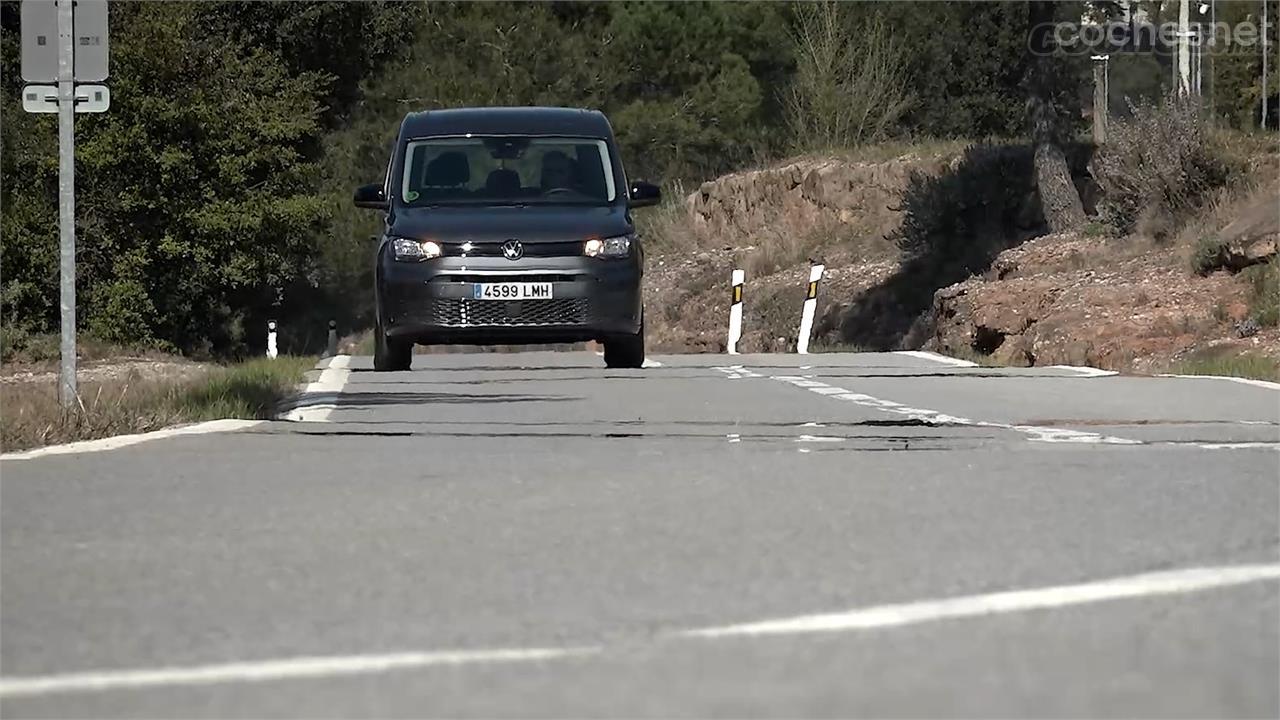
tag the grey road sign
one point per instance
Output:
(40, 40)
(91, 40)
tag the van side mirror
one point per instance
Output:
(371, 196)
(644, 194)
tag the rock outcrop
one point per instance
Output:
(807, 194)
(1039, 305)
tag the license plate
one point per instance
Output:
(511, 291)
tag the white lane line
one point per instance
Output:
(944, 359)
(319, 398)
(1040, 434)
(737, 372)
(884, 616)
(1085, 370)
(119, 441)
(1244, 381)
(266, 670)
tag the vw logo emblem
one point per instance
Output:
(512, 250)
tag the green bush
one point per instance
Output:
(1206, 256)
(1264, 293)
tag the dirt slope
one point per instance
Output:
(1127, 304)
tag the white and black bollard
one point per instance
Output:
(271, 338)
(810, 307)
(735, 311)
(331, 348)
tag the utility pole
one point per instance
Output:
(67, 200)
(1184, 49)
(1100, 98)
(1213, 62)
(1264, 64)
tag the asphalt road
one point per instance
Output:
(533, 535)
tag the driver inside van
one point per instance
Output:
(558, 172)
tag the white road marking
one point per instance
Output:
(944, 359)
(884, 616)
(119, 441)
(266, 670)
(1041, 434)
(1085, 370)
(319, 398)
(1244, 381)
(737, 372)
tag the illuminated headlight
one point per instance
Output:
(614, 247)
(407, 250)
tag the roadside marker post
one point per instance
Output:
(735, 311)
(271, 339)
(80, 55)
(810, 306)
(331, 347)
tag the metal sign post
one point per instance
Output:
(67, 200)
(80, 28)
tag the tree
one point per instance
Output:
(1059, 198)
(850, 87)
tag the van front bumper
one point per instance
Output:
(433, 302)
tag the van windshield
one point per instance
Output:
(507, 170)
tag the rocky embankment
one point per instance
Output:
(1067, 299)
(1129, 304)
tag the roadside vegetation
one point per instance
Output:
(31, 416)
(191, 241)
(1243, 365)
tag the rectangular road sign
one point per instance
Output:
(91, 40)
(39, 19)
(44, 98)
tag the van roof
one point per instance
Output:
(507, 121)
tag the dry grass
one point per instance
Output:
(1245, 365)
(30, 414)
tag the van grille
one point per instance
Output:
(450, 312)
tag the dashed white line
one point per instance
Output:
(281, 669)
(884, 616)
(1171, 582)
(1041, 434)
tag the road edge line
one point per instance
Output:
(1244, 381)
(319, 398)
(118, 441)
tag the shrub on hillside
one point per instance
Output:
(1164, 160)
(850, 86)
(1264, 293)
